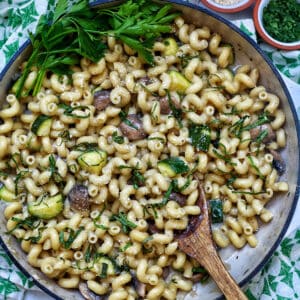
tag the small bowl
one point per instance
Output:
(258, 22)
(228, 8)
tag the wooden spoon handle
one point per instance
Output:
(226, 283)
(208, 257)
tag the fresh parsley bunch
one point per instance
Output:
(78, 30)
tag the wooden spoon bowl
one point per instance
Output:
(198, 243)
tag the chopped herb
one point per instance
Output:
(123, 117)
(154, 117)
(156, 138)
(117, 138)
(281, 19)
(72, 235)
(216, 210)
(262, 119)
(65, 136)
(30, 222)
(35, 239)
(95, 220)
(176, 112)
(200, 136)
(19, 176)
(125, 247)
(148, 239)
(104, 267)
(147, 208)
(147, 250)
(233, 111)
(122, 219)
(54, 171)
(147, 90)
(137, 178)
(88, 253)
(185, 59)
(261, 176)
(85, 147)
(71, 111)
(230, 181)
(100, 226)
(224, 155)
(238, 127)
(248, 192)
(172, 187)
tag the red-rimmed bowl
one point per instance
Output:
(228, 8)
(259, 25)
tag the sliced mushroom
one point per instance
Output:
(166, 272)
(102, 99)
(165, 106)
(179, 198)
(133, 128)
(196, 277)
(87, 293)
(278, 162)
(145, 80)
(79, 199)
(139, 287)
(254, 132)
(152, 228)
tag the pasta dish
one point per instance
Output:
(98, 166)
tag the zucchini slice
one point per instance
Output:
(47, 208)
(171, 47)
(172, 166)
(92, 161)
(5, 194)
(178, 82)
(42, 125)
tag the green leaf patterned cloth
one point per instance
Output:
(280, 278)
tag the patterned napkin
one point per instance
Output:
(280, 278)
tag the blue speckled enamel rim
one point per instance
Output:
(290, 101)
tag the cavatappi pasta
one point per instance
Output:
(99, 166)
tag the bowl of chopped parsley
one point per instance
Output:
(278, 22)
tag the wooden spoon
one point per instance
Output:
(198, 243)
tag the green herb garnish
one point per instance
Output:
(53, 170)
(254, 166)
(78, 30)
(281, 19)
(136, 176)
(85, 147)
(176, 112)
(123, 117)
(117, 138)
(71, 111)
(30, 222)
(19, 176)
(224, 155)
(125, 247)
(122, 219)
(104, 267)
(262, 119)
(72, 235)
